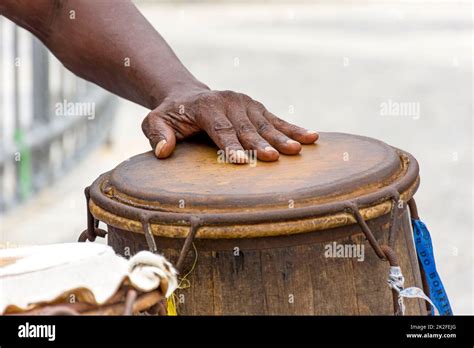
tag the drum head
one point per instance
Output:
(340, 167)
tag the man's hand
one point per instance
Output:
(105, 34)
(233, 120)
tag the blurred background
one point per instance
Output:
(397, 71)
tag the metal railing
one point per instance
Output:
(49, 117)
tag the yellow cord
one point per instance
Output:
(171, 305)
(184, 283)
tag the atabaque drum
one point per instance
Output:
(316, 233)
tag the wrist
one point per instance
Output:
(176, 89)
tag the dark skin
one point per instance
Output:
(111, 44)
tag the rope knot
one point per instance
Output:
(396, 280)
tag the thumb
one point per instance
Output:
(160, 134)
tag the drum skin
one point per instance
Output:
(263, 232)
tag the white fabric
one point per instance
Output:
(397, 281)
(146, 270)
(43, 273)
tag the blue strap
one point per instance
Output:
(424, 249)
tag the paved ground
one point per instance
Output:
(328, 67)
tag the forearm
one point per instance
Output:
(107, 42)
(111, 44)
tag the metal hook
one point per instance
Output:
(150, 240)
(195, 223)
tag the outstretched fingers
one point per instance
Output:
(235, 122)
(222, 132)
(265, 128)
(248, 135)
(297, 133)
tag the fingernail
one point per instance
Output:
(312, 132)
(291, 141)
(159, 146)
(270, 149)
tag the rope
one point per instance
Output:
(184, 283)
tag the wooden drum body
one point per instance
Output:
(305, 235)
